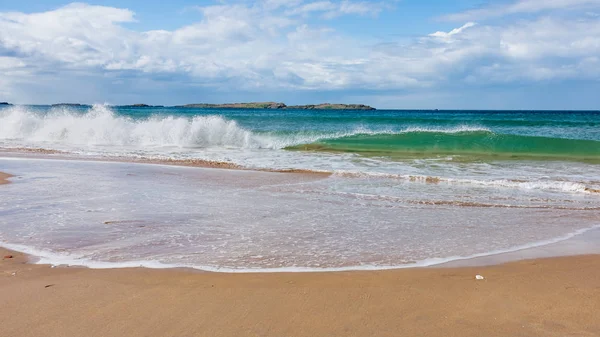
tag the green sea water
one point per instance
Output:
(465, 145)
(394, 134)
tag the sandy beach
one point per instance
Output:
(542, 297)
(547, 297)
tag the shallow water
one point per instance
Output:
(119, 214)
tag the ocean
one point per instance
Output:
(372, 189)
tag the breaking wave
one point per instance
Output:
(464, 141)
(101, 126)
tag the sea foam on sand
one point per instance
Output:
(108, 215)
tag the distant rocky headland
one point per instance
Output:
(278, 105)
(251, 105)
(140, 105)
(329, 106)
(69, 105)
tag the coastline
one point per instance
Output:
(579, 242)
(245, 105)
(554, 296)
(542, 297)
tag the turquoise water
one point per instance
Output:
(396, 134)
(545, 149)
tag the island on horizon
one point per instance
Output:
(249, 105)
(279, 105)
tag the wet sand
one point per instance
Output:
(4, 178)
(545, 297)
(60, 155)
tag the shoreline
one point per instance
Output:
(556, 296)
(200, 163)
(31, 261)
(580, 243)
(554, 247)
(47, 154)
(541, 297)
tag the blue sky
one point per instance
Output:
(464, 54)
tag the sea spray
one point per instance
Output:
(101, 126)
(307, 140)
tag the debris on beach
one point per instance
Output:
(8, 256)
(479, 277)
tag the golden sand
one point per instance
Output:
(547, 297)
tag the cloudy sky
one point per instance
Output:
(465, 54)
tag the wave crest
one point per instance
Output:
(461, 141)
(101, 126)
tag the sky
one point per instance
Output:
(405, 54)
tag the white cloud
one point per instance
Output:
(318, 6)
(548, 38)
(275, 4)
(255, 46)
(330, 9)
(264, 47)
(10, 63)
(540, 50)
(522, 6)
(77, 34)
(360, 8)
(444, 35)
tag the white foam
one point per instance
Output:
(560, 186)
(100, 126)
(46, 257)
(458, 129)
